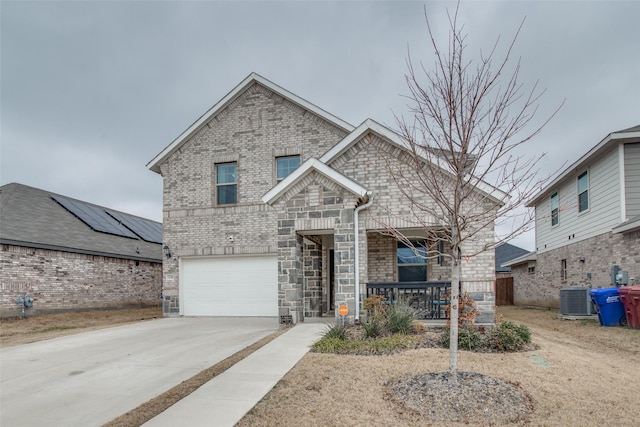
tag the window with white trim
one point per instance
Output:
(227, 183)
(412, 261)
(554, 209)
(583, 191)
(286, 165)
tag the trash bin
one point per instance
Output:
(610, 309)
(630, 298)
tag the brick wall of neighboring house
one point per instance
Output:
(598, 254)
(252, 131)
(62, 281)
(524, 285)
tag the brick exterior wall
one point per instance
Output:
(599, 254)
(371, 162)
(253, 130)
(65, 281)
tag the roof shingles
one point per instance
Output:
(30, 217)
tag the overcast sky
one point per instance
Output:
(91, 91)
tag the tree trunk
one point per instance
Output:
(453, 334)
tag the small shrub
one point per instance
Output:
(372, 328)
(418, 327)
(390, 344)
(468, 338)
(331, 345)
(522, 330)
(376, 306)
(467, 310)
(504, 339)
(399, 318)
(335, 332)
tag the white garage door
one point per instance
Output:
(230, 286)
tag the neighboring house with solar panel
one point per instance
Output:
(273, 207)
(67, 254)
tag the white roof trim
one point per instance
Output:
(306, 168)
(370, 125)
(531, 256)
(253, 77)
(609, 140)
(630, 225)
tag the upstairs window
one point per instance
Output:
(583, 191)
(554, 209)
(286, 165)
(227, 183)
(412, 262)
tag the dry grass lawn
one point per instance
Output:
(582, 374)
(16, 331)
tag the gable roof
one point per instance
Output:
(625, 135)
(530, 256)
(305, 169)
(371, 126)
(154, 164)
(505, 252)
(36, 218)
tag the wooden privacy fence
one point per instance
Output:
(504, 291)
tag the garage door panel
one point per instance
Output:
(230, 286)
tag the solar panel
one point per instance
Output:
(95, 217)
(148, 230)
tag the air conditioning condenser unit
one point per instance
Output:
(575, 301)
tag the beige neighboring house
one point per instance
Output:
(273, 207)
(66, 254)
(587, 224)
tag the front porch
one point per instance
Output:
(430, 300)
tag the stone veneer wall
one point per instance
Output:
(65, 281)
(315, 204)
(599, 254)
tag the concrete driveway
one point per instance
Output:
(89, 379)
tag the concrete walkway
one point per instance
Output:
(224, 400)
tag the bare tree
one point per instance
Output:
(463, 166)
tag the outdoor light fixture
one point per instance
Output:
(165, 248)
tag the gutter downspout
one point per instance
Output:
(357, 251)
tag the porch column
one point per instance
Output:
(290, 269)
(344, 255)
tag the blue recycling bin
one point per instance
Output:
(610, 308)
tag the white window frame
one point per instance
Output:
(555, 209)
(586, 190)
(418, 244)
(226, 184)
(278, 179)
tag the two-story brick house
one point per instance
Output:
(587, 220)
(272, 206)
